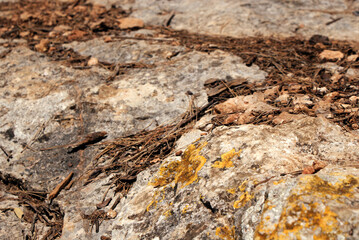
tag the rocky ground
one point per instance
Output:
(144, 119)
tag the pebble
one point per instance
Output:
(92, 61)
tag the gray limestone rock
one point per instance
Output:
(242, 182)
(46, 106)
(127, 51)
(250, 18)
(258, 195)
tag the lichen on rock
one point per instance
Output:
(226, 159)
(183, 172)
(311, 209)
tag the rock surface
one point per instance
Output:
(261, 196)
(220, 182)
(249, 18)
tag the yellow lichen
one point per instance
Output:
(322, 188)
(243, 186)
(310, 218)
(183, 172)
(243, 199)
(153, 202)
(225, 233)
(226, 159)
(278, 182)
(232, 191)
(184, 210)
(298, 216)
(168, 213)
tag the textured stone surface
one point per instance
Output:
(250, 185)
(46, 101)
(258, 197)
(250, 18)
(126, 51)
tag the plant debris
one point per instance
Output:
(60, 186)
(299, 83)
(36, 207)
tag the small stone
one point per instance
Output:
(43, 45)
(353, 99)
(283, 99)
(107, 39)
(331, 55)
(111, 214)
(128, 23)
(92, 61)
(352, 72)
(24, 34)
(179, 153)
(352, 58)
(302, 99)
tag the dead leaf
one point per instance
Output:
(331, 55)
(18, 212)
(128, 23)
(318, 165)
(76, 34)
(25, 16)
(308, 170)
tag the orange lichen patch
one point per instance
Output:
(153, 202)
(226, 233)
(185, 209)
(183, 172)
(243, 186)
(243, 199)
(168, 213)
(316, 186)
(278, 182)
(232, 191)
(226, 159)
(310, 216)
